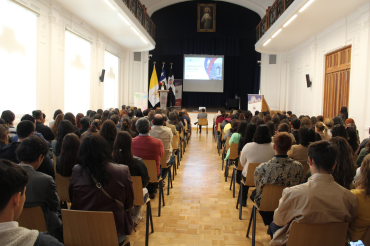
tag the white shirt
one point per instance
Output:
(164, 134)
(255, 153)
(8, 225)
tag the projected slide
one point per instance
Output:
(203, 68)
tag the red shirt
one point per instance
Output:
(148, 148)
(219, 120)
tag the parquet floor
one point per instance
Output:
(200, 209)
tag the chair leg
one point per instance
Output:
(178, 159)
(168, 183)
(231, 182)
(163, 197)
(226, 171)
(173, 170)
(171, 182)
(159, 200)
(237, 202)
(147, 224)
(254, 227)
(241, 201)
(151, 216)
(250, 222)
(207, 129)
(234, 176)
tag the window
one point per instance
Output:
(111, 80)
(76, 74)
(18, 60)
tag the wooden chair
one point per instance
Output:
(62, 189)
(249, 181)
(233, 178)
(164, 165)
(224, 151)
(139, 201)
(151, 165)
(175, 147)
(269, 202)
(330, 234)
(33, 219)
(233, 157)
(366, 238)
(55, 163)
(202, 122)
(87, 228)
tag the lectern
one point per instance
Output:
(163, 98)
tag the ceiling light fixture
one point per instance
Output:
(276, 33)
(144, 40)
(135, 31)
(110, 5)
(290, 20)
(123, 18)
(305, 6)
(268, 41)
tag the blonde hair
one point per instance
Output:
(329, 123)
(321, 127)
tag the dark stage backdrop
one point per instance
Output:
(235, 36)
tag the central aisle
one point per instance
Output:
(200, 209)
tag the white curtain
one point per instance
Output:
(18, 58)
(111, 64)
(76, 74)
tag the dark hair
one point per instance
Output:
(339, 131)
(344, 113)
(92, 113)
(172, 117)
(55, 126)
(130, 113)
(2, 122)
(97, 117)
(256, 112)
(78, 120)
(95, 125)
(13, 179)
(28, 117)
(64, 128)
(88, 113)
(259, 121)
(158, 120)
(305, 121)
(250, 130)
(271, 127)
(105, 116)
(338, 120)
(58, 111)
(68, 155)
(133, 126)
(25, 128)
(93, 155)
(266, 118)
(289, 113)
(324, 154)
(262, 135)
(139, 114)
(313, 121)
(69, 116)
(306, 135)
(37, 114)
(203, 110)
(99, 111)
(122, 153)
(242, 126)
(283, 127)
(344, 171)
(115, 119)
(283, 142)
(108, 130)
(85, 122)
(234, 125)
(145, 112)
(296, 123)
(31, 148)
(352, 138)
(320, 118)
(8, 116)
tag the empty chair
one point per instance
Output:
(331, 234)
(89, 228)
(33, 219)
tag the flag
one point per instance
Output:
(171, 88)
(153, 88)
(163, 78)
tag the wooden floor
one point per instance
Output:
(200, 209)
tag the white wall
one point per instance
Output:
(52, 22)
(284, 84)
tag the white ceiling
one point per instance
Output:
(314, 19)
(258, 6)
(99, 15)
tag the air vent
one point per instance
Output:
(272, 59)
(137, 56)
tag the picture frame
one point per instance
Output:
(206, 17)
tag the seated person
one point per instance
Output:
(280, 170)
(13, 180)
(299, 152)
(41, 188)
(122, 154)
(96, 169)
(40, 127)
(69, 155)
(201, 115)
(358, 226)
(296, 124)
(320, 200)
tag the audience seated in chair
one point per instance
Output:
(69, 155)
(174, 120)
(122, 154)
(280, 170)
(97, 179)
(13, 181)
(94, 128)
(320, 200)
(9, 117)
(237, 129)
(54, 127)
(126, 126)
(85, 125)
(64, 128)
(299, 152)
(72, 119)
(41, 188)
(56, 113)
(109, 132)
(203, 114)
(4, 136)
(148, 148)
(40, 127)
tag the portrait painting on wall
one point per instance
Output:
(207, 17)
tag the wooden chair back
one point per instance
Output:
(138, 190)
(164, 160)
(249, 180)
(234, 151)
(87, 228)
(219, 127)
(186, 126)
(55, 162)
(62, 187)
(331, 234)
(240, 167)
(222, 135)
(151, 165)
(175, 142)
(227, 145)
(182, 134)
(366, 238)
(33, 219)
(270, 197)
(202, 122)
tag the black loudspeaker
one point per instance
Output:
(309, 83)
(101, 78)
